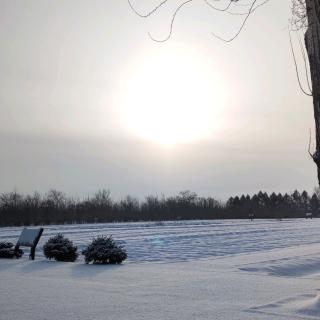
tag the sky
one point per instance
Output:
(88, 101)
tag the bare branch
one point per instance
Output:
(216, 8)
(253, 6)
(241, 27)
(148, 14)
(296, 67)
(309, 147)
(171, 23)
(252, 11)
(304, 60)
(299, 18)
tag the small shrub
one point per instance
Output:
(7, 251)
(104, 250)
(60, 249)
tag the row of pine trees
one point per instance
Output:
(56, 208)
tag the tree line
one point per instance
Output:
(56, 208)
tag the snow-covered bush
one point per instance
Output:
(60, 249)
(104, 250)
(7, 250)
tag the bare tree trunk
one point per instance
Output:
(312, 42)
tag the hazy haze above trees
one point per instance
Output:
(63, 65)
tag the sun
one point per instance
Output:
(173, 98)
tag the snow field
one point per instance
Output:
(226, 270)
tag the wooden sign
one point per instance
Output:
(29, 238)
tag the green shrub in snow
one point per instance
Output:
(60, 249)
(7, 250)
(104, 250)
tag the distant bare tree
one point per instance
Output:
(102, 198)
(305, 18)
(56, 199)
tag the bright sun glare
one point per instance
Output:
(173, 98)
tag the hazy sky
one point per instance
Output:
(88, 101)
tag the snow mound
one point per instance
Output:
(289, 267)
(311, 307)
(306, 306)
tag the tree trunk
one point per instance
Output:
(312, 42)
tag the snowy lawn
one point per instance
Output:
(177, 270)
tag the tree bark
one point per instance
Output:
(312, 42)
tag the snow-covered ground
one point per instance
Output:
(227, 270)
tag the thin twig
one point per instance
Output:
(309, 147)
(296, 67)
(171, 23)
(304, 60)
(148, 14)
(216, 8)
(252, 11)
(241, 27)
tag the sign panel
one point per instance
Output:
(28, 236)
